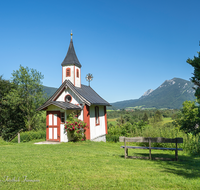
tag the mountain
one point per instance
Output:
(49, 90)
(170, 94)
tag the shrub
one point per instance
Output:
(75, 127)
(30, 135)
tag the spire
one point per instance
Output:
(71, 58)
(71, 34)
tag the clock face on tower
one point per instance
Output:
(68, 98)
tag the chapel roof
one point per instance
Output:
(86, 94)
(71, 58)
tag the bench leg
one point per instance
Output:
(149, 148)
(176, 155)
(126, 152)
(176, 152)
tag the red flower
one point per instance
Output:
(82, 139)
(73, 128)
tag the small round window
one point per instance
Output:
(68, 98)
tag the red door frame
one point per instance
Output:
(53, 126)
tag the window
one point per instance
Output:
(62, 117)
(97, 115)
(68, 98)
(77, 73)
(68, 72)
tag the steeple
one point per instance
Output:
(71, 58)
(71, 67)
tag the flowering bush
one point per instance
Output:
(75, 127)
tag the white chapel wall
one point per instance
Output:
(97, 132)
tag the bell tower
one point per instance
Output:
(71, 67)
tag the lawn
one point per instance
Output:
(92, 165)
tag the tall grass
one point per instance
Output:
(30, 135)
(191, 143)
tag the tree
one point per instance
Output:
(5, 87)
(157, 116)
(188, 119)
(195, 62)
(145, 118)
(30, 93)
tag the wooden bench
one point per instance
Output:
(151, 140)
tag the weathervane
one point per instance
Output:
(89, 78)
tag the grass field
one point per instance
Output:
(92, 165)
(113, 121)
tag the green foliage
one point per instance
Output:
(145, 118)
(195, 62)
(157, 116)
(188, 119)
(29, 92)
(11, 117)
(75, 127)
(30, 135)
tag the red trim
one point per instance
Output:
(80, 76)
(69, 70)
(97, 107)
(59, 94)
(74, 75)
(53, 126)
(65, 97)
(86, 118)
(47, 122)
(105, 116)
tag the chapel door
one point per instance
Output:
(53, 126)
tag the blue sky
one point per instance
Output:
(129, 46)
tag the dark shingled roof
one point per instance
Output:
(90, 95)
(63, 105)
(71, 58)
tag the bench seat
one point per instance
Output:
(154, 148)
(150, 140)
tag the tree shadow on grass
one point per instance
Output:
(186, 166)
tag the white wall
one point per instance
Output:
(71, 78)
(99, 130)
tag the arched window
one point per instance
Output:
(77, 73)
(97, 115)
(68, 72)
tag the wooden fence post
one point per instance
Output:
(149, 148)
(18, 137)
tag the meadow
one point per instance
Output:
(92, 165)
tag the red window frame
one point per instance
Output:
(77, 73)
(68, 95)
(97, 121)
(68, 72)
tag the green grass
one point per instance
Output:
(113, 121)
(92, 165)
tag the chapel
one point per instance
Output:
(72, 96)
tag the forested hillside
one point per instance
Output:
(171, 94)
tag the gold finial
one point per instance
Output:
(71, 34)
